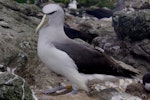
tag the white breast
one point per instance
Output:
(147, 86)
(57, 60)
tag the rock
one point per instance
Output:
(29, 10)
(135, 54)
(138, 4)
(13, 87)
(141, 49)
(90, 26)
(137, 89)
(17, 37)
(132, 25)
(111, 46)
(111, 94)
(119, 5)
(146, 46)
(135, 4)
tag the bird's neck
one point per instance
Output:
(57, 20)
(56, 23)
(52, 33)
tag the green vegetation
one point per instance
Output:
(21, 1)
(25, 1)
(62, 1)
(106, 3)
(85, 3)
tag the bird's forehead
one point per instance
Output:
(50, 8)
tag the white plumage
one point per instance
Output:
(147, 86)
(72, 4)
(57, 60)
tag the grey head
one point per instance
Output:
(53, 16)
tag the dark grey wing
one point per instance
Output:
(91, 61)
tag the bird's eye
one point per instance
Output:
(51, 13)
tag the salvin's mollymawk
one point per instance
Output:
(69, 58)
(72, 4)
(146, 82)
(73, 33)
(100, 13)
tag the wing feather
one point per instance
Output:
(91, 61)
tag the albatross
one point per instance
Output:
(146, 82)
(77, 62)
(72, 4)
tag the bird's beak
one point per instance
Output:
(41, 24)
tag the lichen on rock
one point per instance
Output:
(13, 87)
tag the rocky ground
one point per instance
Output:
(18, 51)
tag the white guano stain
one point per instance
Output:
(23, 91)
(33, 95)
